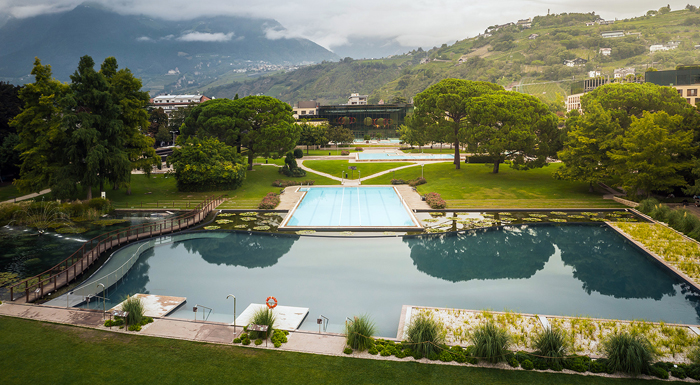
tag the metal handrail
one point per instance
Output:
(197, 306)
(91, 249)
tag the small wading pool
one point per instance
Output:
(396, 156)
(350, 207)
(549, 269)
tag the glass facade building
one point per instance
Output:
(679, 77)
(365, 119)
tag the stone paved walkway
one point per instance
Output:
(28, 196)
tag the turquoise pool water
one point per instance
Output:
(543, 269)
(395, 156)
(350, 207)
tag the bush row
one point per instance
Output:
(678, 219)
(411, 182)
(425, 335)
(270, 201)
(435, 201)
(286, 183)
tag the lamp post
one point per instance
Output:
(173, 132)
(421, 169)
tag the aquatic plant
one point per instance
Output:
(425, 334)
(263, 316)
(490, 342)
(134, 306)
(359, 333)
(212, 227)
(551, 344)
(628, 353)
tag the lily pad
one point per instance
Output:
(212, 227)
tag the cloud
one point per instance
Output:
(424, 23)
(144, 38)
(206, 37)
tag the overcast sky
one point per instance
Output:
(411, 23)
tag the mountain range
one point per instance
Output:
(157, 50)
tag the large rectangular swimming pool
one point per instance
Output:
(391, 156)
(350, 207)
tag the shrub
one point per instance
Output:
(347, 350)
(628, 353)
(245, 341)
(345, 152)
(359, 332)
(577, 363)
(647, 205)
(678, 372)
(359, 149)
(490, 342)
(522, 356)
(425, 334)
(373, 351)
(258, 342)
(279, 337)
(435, 201)
(385, 353)
(479, 159)
(296, 172)
(99, 204)
(135, 328)
(417, 182)
(263, 316)
(694, 356)
(512, 361)
(236, 340)
(551, 343)
(134, 306)
(446, 356)
(660, 212)
(658, 372)
(287, 183)
(527, 365)
(269, 202)
(298, 153)
(115, 322)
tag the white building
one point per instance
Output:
(573, 102)
(593, 74)
(170, 103)
(357, 99)
(606, 51)
(623, 72)
(306, 109)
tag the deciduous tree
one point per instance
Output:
(312, 135)
(207, 165)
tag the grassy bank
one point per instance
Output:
(160, 191)
(336, 167)
(85, 356)
(475, 186)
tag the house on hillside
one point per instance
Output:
(612, 34)
(605, 51)
(605, 22)
(622, 73)
(575, 63)
(525, 23)
(357, 99)
(533, 36)
(590, 23)
(663, 47)
(593, 74)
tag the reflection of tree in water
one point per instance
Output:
(511, 252)
(693, 296)
(242, 249)
(135, 281)
(609, 266)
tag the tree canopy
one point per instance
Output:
(445, 107)
(207, 165)
(638, 136)
(312, 135)
(511, 125)
(89, 132)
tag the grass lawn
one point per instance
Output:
(474, 186)
(336, 167)
(163, 191)
(8, 192)
(86, 356)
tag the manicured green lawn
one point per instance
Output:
(475, 186)
(8, 192)
(336, 167)
(163, 191)
(86, 356)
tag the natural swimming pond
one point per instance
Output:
(557, 269)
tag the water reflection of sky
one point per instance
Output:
(558, 270)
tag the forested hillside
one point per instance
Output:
(508, 55)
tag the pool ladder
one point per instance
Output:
(322, 321)
(195, 309)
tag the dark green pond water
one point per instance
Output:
(555, 269)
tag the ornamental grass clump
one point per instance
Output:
(134, 306)
(425, 334)
(628, 353)
(491, 343)
(551, 344)
(263, 316)
(359, 332)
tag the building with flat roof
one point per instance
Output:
(357, 99)
(685, 79)
(170, 103)
(306, 109)
(368, 118)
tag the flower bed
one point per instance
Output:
(287, 183)
(270, 201)
(435, 201)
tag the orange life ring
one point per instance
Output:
(271, 302)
